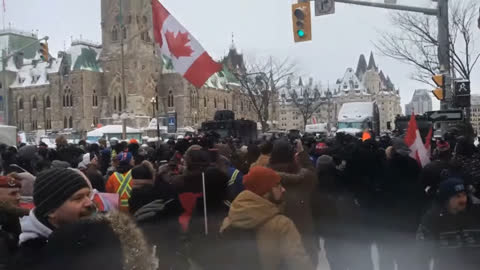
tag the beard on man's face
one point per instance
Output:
(272, 198)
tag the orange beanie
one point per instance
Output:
(261, 180)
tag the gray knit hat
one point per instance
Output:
(53, 187)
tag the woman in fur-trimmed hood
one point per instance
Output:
(104, 242)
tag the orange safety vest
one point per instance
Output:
(122, 185)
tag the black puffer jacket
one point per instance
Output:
(9, 232)
(452, 240)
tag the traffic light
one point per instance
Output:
(302, 22)
(439, 92)
(44, 55)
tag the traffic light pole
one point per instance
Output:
(427, 11)
(441, 12)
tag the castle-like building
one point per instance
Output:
(365, 84)
(88, 84)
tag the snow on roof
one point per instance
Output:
(355, 111)
(350, 82)
(84, 56)
(35, 73)
(351, 131)
(111, 129)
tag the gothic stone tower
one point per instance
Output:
(129, 21)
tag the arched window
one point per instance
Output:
(170, 99)
(65, 124)
(194, 99)
(147, 36)
(34, 103)
(215, 102)
(120, 102)
(70, 122)
(124, 32)
(114, 33)
(20, 104)
(156, 103)
(94, 99)
(225, 103)
(67, 97)
(47, 102)
(115, 103)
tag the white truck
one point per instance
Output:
(356, 117)
(320, 128)
(8, 135)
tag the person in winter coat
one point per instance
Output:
(121, 180)
(109, 241)
(89, 166)
(299, 179)
(450, 231)
(61, 196)
(9, 218)
(336, 216)
(194, 233)
(265, 152)
(156, 208)
(400, 207)
(279, 243)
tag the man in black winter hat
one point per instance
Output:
(61, 197)
(450, 231)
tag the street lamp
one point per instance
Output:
(154, 104)
(329, 100)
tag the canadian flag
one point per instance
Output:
(415, 143)
(187, 55)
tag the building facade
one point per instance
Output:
(475, 113)
(91, 84)
(421, 102)
(365, 84)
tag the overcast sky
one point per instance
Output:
(261, 28)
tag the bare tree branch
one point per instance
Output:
(415, 42)
(261, 82)
(307, 102)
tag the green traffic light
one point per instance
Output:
(301, 33)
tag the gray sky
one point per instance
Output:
(261, 28)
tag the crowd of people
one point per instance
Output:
(202, 202)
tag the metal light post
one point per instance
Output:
(122, 49)
(123, 117)
(154, 104)
(329, 99)
(441, 12)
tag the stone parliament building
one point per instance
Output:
(82, 87)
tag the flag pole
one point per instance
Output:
(4, 12)
(205, 203)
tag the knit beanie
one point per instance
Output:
(261, 180)
(53, 187)
(450, 188)
(325, 161)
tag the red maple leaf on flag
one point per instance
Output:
(177, 44)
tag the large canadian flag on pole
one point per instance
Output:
(187, 55)
(415, 143)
